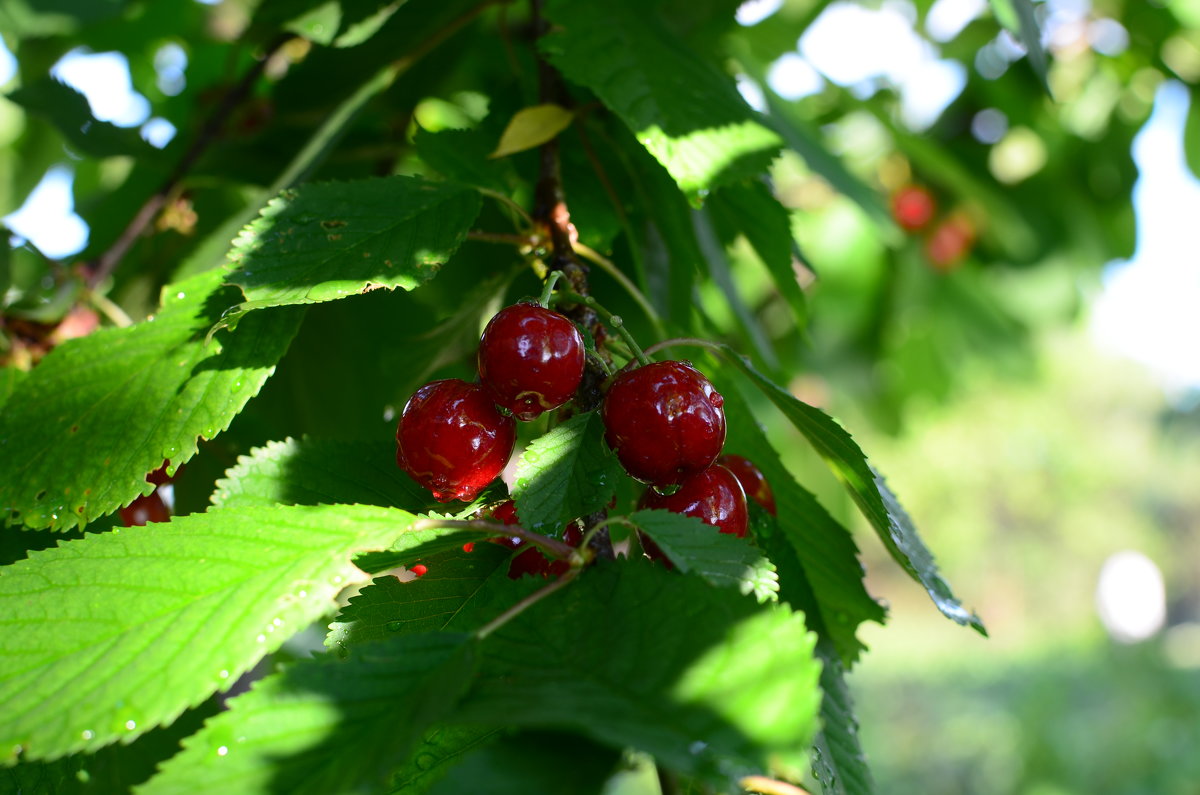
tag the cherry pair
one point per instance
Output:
(454, 437)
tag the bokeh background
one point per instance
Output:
(1024, 365)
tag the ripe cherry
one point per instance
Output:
(149, 508)
(714, 496)
(913, 207)
(664, 421)
(754, 483)
(949, 242)
(452, 440)
(530, 359)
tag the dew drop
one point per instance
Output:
(302, 593)
(236, 386)
(88, 734)
(224, 674)
(130, 725)
(181, 295)
(261, 639)
(83, 776)
(426, 761)
(337, 580)
(532, 456)
(277, 622)
(224, 749)
(395, 626)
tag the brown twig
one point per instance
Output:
(100, 268)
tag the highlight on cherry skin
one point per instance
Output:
(754, 483)
(453, 440)
(530, 359)
(664, 421)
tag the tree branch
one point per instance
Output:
(100, 268)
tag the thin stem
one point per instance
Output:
(526, 603)
(548, 290)
(693, 342)
(520, 241)
(770, 786)
(603, 523)
(507, 202)
(612, 270)
(552, 546)
(110, 310)
(102, 267)
(613, 321)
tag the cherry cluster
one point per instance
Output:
(948, 241)
(664, 421)
(454, 438)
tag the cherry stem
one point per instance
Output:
(520, 241)
(613, 321)
(587, 538)
(509, 203)
(526, 603)
(612, 270)
(694, 342)
(548, 290)
(552, 546)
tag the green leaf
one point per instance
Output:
(533, 126)
(323, 241)
(9, 378)
(68, 110)
(530, 762)
(423, 543)
(708, 682)
(824, 551)
(1019, 18)
(682, 108)
(325, 725)
(867, 488)
(750, 209)
(440, 750)
(565, 474)
(327, 135)
(161, 616)
(454, 582)
(120, 402)
(720, 559)
(1191, 133)
(462, 155)
(807, 143)
(340, 23)
(320, 471)
(838, 759)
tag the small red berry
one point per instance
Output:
(143, 510)
(530, 359)
(419, 570)
(714, 496)
(913, 207)
(664, 421)
(452, 440)
(754, 483)
(950, 242)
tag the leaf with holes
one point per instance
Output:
(120, 402)
(113, 634)
(323, 241)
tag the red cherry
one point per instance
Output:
(150, 508)
(714, 496)
(754, 483)
(913, 207)
(530, 359)
(664, 421)
(949, 242)
(452, 440)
